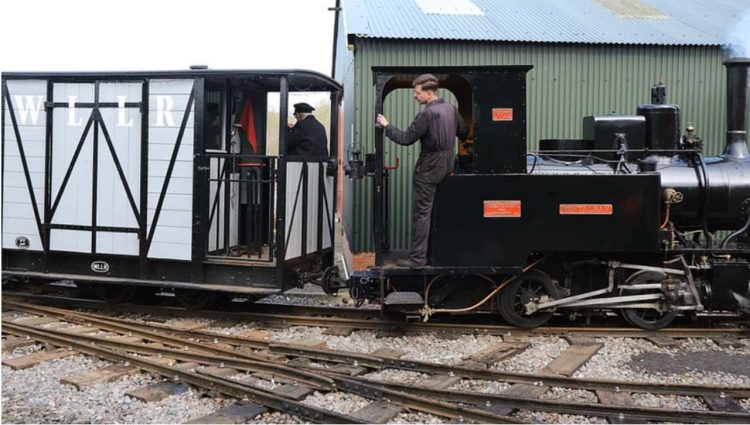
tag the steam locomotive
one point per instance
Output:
(627, 219)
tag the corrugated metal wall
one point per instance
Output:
(567, 83)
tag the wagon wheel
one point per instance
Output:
(114, 294)
(512, 300)
(194, 299)
(645, 318)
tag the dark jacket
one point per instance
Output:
(437, 127)
(307, 138)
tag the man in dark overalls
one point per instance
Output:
(308, 136)
(436, 127)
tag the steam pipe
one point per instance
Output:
(706, 196)
(731, 237)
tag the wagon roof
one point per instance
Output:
(298, 79)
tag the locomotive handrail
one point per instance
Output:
(393, 167)
(578, 155)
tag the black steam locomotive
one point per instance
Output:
(632, 218)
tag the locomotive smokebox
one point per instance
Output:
(737, 91)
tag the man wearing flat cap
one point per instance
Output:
(308, 136)
(436, 127)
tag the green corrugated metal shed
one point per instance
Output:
(568, 81)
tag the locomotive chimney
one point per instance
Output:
(737, 91)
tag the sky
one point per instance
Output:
(140, 35)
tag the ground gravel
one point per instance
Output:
(308, 300)
(571, 395)
(542, 351)
(235, 330)
(669, 402)
(312, 295)
(694, 361)
(23, 351)
(337, 401)
(396, 376)
(419, 418)
(445, 351)
(559, 418)
(276, 418)
(476, 386)
(177, 322)
(35, 395)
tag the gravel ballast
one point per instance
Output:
(35, 395)
(446, 351)
(621, 358)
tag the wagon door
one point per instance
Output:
(122, 169)
(95, 173)
(98, 176)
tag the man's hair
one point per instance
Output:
(428, 82)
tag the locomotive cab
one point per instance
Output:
(491, 100)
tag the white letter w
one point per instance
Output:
(26, 108)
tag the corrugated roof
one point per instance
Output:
(658, 22)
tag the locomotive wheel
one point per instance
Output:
(194, 299)
(115, 294)
(645, 318)
(530, 286)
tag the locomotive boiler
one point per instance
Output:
(632, 218)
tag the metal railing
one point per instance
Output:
(241, 205)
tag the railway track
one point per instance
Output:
(282, 315)
(208, 360)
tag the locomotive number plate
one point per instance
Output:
(586, 209)
(502, 114)
(500, 209)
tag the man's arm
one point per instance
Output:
(416, 130)
(293, 138)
